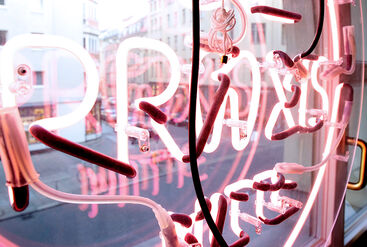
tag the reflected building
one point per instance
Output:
(57, 78)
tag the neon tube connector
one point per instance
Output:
(253, 221)
(15, 158)
(241, 124)
(141, 134)
(346, 65)
(61, 144)
(277, 14)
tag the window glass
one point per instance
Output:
(119, 52)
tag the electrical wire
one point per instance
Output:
(319, 30)
(192, 119)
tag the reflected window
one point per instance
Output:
(3, 37)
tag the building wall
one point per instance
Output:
(61, 73)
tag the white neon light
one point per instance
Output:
(334, 29)
(122, 89)
(238, 143)
(279, 19)
(49, 41)
(316, 85)
(320, 175)
(303, 97)
(235, 205)
(278, 107)
(260, 194)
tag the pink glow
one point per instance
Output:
(83, 184)
(155, 175)
(112, 183)
(136, 184)
(4, 242)
(94, 191)
(260, 194)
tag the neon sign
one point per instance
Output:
(309, 120)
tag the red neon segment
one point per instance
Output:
(238, 196)
(153, 111)
(191, 239)
(311, 57)
(261, 186)
(279, 184)
(286, 133)
(295, 97)
(276, 12)
(183, 219)
(200, 215)
(280, 218)
(81, 152)
(212, 114)
(287, 61)
(243, 241)
(289, 186)
(123, 188)
(235, 51)
(221, 217)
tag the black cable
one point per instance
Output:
(192, 119)
(318, 32)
